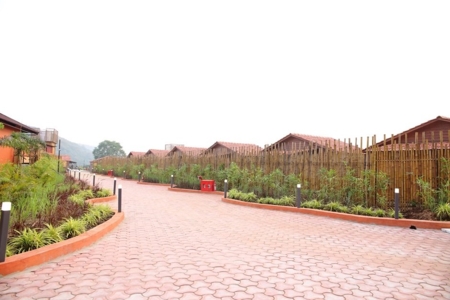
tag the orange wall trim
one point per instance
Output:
(22, 261)
(422, 224)
(101, 200)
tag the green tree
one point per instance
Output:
(108, 148)
(23, 144)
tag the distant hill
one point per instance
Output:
(81, 154)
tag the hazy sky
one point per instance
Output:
(150, 73)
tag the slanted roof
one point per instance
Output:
(315, 140)
(157, 152)
(186, 150)
(136, 154)
(444, 123)
(19, 126)
(234, 147)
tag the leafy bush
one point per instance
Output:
(380, 213)
(97, 214)
(52, 234)
(248, 197)
(443, 211)
(314, 204)
(368, 212)
(26, 240)
(358, 210)
(72, 227)
(391, 214)
(77, 199)
(102, 193)
(334, 206)
(284, 201)
(234, 194)
(266, 200)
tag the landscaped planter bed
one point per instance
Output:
(20, 262)
(408, 223)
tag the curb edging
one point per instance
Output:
(408, 223)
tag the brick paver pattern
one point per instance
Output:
(175, 245)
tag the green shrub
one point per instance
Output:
(52, 234)
(102, 193)
(358, 210)
(77, 198)
(72, 227)
(9, 250)
(86, 194)
(443, 211)
(368, 212)
(380, 213)
(283, 201)
(266, 200)
(286, 201)
(27, 240)
(391, 214)
(233, 194)
(334, 206)
(248, 197)
(97, 214)
(315, 204)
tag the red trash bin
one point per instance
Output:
(207, 185)
(110, 173)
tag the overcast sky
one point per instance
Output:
(150, 73)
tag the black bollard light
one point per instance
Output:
(79, 175)
(4, 228)
(225, 188)
(93, 180)
(114, 187)
(139, 177)
(397, 202)
(119, 190)
(171, 181)
(298, 198)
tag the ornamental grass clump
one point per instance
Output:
(443, 212)
(72, 228)
(27, 240)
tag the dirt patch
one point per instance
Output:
(418, 214)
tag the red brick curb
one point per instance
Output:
(20, 262)
(100, 200)
(424, 224)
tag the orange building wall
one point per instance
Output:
(6, 153)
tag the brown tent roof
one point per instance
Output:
(236, 147)
(13, 123)
(157, 152)
(317, 140)
(187, 150)
(136, 154)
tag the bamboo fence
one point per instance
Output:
(403, 163)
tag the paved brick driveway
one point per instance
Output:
(193, 246)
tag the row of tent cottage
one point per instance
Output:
(433, 133)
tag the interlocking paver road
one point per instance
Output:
(193, 246)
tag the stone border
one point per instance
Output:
(422, 224)
(22, 261)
